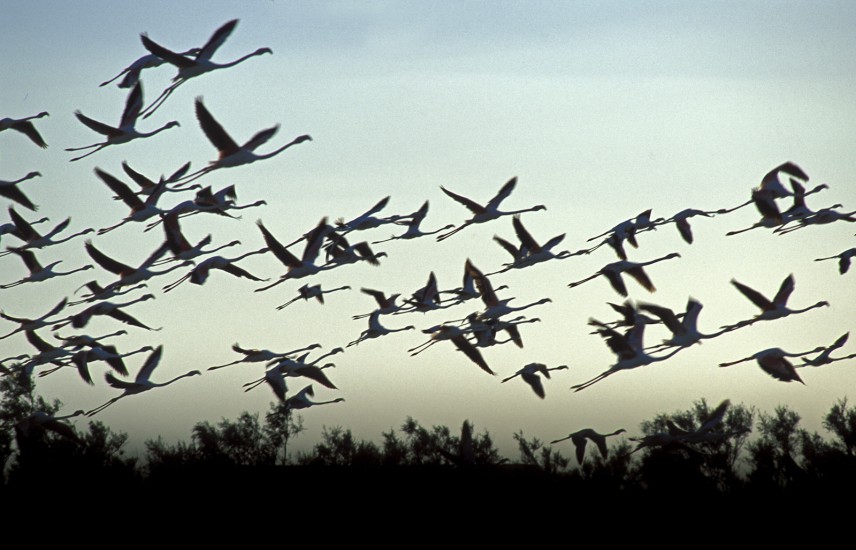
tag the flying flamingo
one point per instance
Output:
(488, 212)
(843, 259)
(9, 189)
(775, 309)
(684, 332)
(300, 401)
(140, 210)
(376, 330)
(199, 274)
(367, 220)
(129, 275)
(109, 309)
(614, 270)
(495, 308)
(38, 273)
(457, 336)
(97, 292)
(178, 245)
(26, 127)
(774, 362)
(147, 186)
(34, 239)
(33, 324)
(581, 437)
(825, 356)
(530, 372)
(303, 267)
(259, 355)
(36, 424)
(125, 132)
(629, 349)
(10, 228)
(132, 71)
(141, 383)
(306, 292)
(534, 252)
(386, 304)
(191, 67)
(413, 230)
(231, 154)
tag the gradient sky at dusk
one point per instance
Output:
(601, 110)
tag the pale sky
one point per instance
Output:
(601, 110)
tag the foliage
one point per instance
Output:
(533, 452)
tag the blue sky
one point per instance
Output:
(601, 110)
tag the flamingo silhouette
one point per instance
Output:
(141, 383)
(488, 212)
(125, 132)
(26, 127)
(198, 65)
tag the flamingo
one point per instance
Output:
(33, 324)
(9, 189)
(275, 375)
(339, 252)
(132, 71)
(141, 383)
(614, 270)
(386, 304)
(681, 221)
(413, 230)
(231, 154)
(534, 253)
(844, 259)
(581, 437)
(825, 356)
(36, 423)
(191, 67)
(457, 336)
(109, 309)
(128, 275)
(108, 354)
(97, 292)
(178, 245)
(426, 298)
(79, 341)
(485, 330)
(147, 186)
(495, 308)
(300, 401)
(140, 210)
(376, 330)
(259, 355)
(39, 273)
(488, 212)
(200, 273)
(50, 354)
(628, 228)
(629, 349)
(11, 229)
(821, 217)
(776, 309)
(684, 332)
(530, 372)
(367, 220)
(26, 127)
(125, 132)
(774, 362)
(306, 292)
(303, 267)
(34, 239)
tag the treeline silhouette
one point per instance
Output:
(751, 453)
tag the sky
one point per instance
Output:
(601, 110)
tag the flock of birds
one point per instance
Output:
(493, 321)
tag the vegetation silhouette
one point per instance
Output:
(725, 453)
